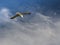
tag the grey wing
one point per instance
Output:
(14, 16)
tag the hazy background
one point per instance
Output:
(42, 27)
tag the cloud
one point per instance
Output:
(4, 12)
(40, 31)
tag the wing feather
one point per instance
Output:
(14, 16)
(26, 13)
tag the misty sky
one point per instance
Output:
(42, 27)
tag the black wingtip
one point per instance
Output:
(11, 18)
(29, 13)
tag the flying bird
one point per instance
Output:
(20, 14)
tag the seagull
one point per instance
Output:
(20, 14)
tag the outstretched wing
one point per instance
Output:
(14, 16)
